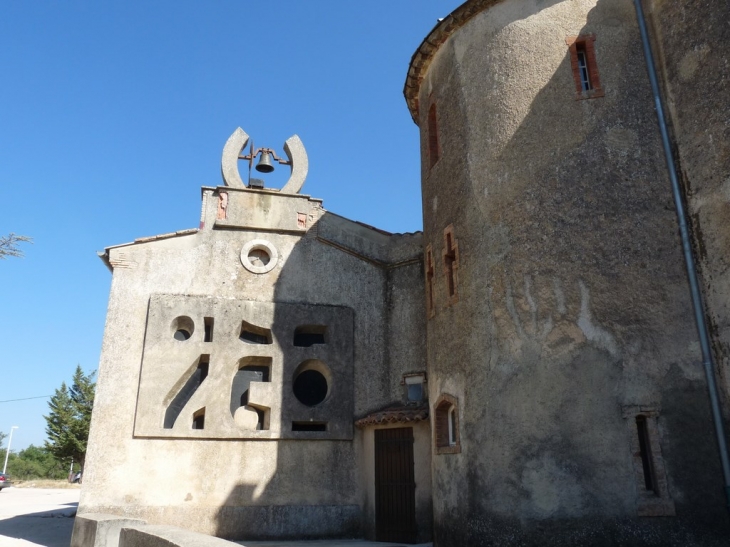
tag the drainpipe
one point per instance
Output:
(697, 305)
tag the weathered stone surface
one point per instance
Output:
(572, 297)
(297, 155)
(229, 160)
(229, 478)
(99, 530)
(168, 536)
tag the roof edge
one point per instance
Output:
(421, 59)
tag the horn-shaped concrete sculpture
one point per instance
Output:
(293, 147)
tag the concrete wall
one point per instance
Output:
(573, 313)
(692, 41)
(215, 481)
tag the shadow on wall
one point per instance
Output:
(577, 197)
(309, 488)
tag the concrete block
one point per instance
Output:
(99, 530)
(168, 536)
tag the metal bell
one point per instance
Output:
(264, 165)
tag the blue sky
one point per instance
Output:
(113, 114)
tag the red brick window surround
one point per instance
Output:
(434, 151)
(430, 272)
(585, 69)
(447, 439)
(451, 265)
(650, 476)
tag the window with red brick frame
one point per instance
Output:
(447, 439)
(585, 69)
(434, 152)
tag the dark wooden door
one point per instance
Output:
(395, 486)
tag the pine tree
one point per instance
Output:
(69, 418)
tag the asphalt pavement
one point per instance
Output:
(43, 517)
(31, 517)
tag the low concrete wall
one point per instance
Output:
(168, 536)
(100, 530)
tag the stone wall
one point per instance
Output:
(561, 309)
(269, 466)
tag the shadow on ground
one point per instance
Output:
(46, 528)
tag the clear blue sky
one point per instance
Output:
(113, 114)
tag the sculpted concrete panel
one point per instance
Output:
(216, 368)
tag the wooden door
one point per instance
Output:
(395, 486)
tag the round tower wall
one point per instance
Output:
(568, 312)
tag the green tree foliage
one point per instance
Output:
(69, 418)
(9, 245)
(35, 462)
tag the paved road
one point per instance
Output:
(41, 517)
(32, 517)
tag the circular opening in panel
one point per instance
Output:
(310, 387)
(182, 328)
(312, 382)
(258, 257)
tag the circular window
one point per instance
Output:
(182, 328)
(311, 383)
(259, 256)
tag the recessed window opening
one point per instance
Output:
(452, 426)
(182, 328)
(188, 389)
(645, 450)
(583, 64)
(306, 336)
(208, 329)
(414, 387)
(258, 257)
(254, 335)
(251, 369)
(430, 307)
(199, 419)
(309, 426)
(433, 136)
(310, 387)
(451, 262)
(446, 425)
(585, 80)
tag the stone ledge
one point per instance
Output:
(99, 529)
(168, 536)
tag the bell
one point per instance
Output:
(264, 164)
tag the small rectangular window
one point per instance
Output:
(645, 452)
(208, 329)
(309, 426)
(650, 474)
(585, 69)
(434, 150)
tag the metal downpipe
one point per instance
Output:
(697, 304)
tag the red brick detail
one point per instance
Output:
(430, 273)
(585, 42)
(451, 265)
(222, 206)
(434, 151)
(441, 411)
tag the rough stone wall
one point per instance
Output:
(693, 41)
(572, 309)
(237, 488)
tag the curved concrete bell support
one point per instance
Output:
(299, 162)
(229, 160)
